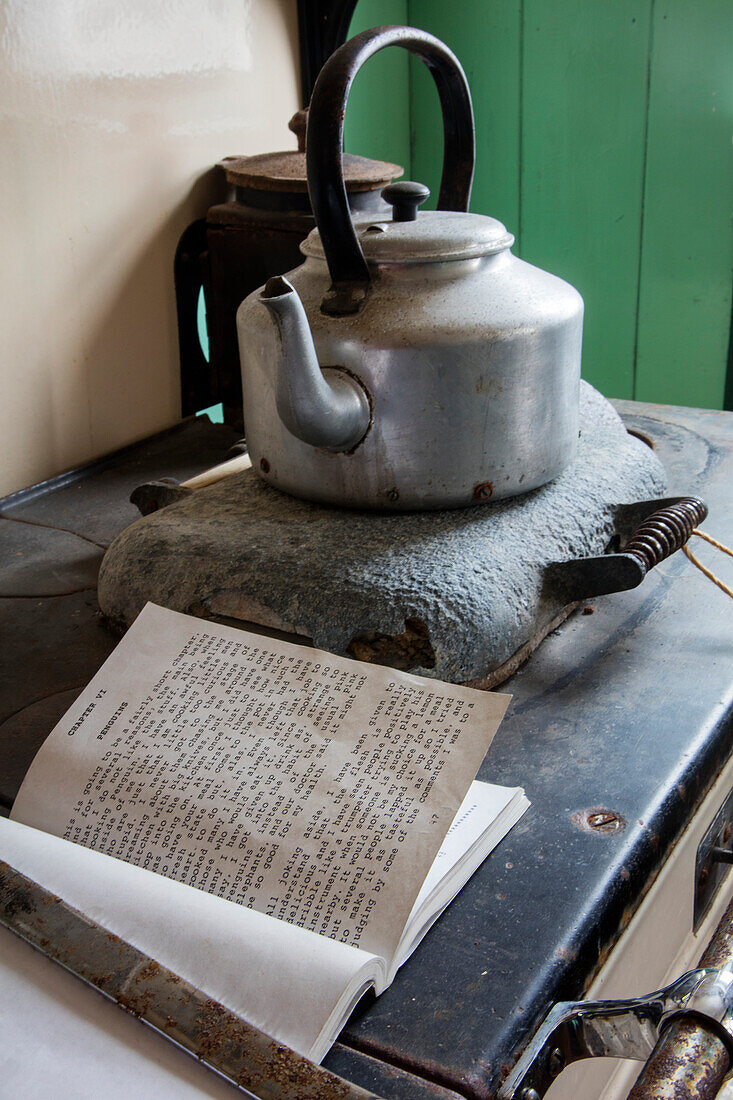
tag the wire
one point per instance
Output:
(703, 569)
(713, 542)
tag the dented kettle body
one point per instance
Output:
(411, 362)
(471, 371)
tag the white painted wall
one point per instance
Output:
(111, 116)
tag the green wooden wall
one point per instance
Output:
(604, 143)
(378, 115)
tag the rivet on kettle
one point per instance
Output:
(483, 491)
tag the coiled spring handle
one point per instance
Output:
(658, 529)
(665, 531)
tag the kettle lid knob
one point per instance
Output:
(404, 198)
(298, 125)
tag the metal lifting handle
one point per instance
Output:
(683, 1032)
(693, 1056)
(660, 528)
(324, 144)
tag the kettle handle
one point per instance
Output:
(324, 145)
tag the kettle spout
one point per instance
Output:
(325, 408)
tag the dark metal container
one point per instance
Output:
(240, 244)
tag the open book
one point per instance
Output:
(286, 824)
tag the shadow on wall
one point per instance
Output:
(121, 373)
(119, 333)
(112, 121)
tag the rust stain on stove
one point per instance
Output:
(598, 820)
(150, 970)
(643, 436)
(14, 901)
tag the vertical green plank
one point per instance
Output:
(684, 315)
(584, 99)
(485, 36)
(378, 117)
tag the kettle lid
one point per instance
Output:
(286, 170)
(434, 236)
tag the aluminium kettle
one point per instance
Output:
(412, 362)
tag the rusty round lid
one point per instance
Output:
(285, 171)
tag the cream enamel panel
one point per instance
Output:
(657, 947)
(111, 117)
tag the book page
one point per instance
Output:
(486, 815)
(257, 967)
(481, 807)
(309, 787)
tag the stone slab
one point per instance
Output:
(450, 594)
